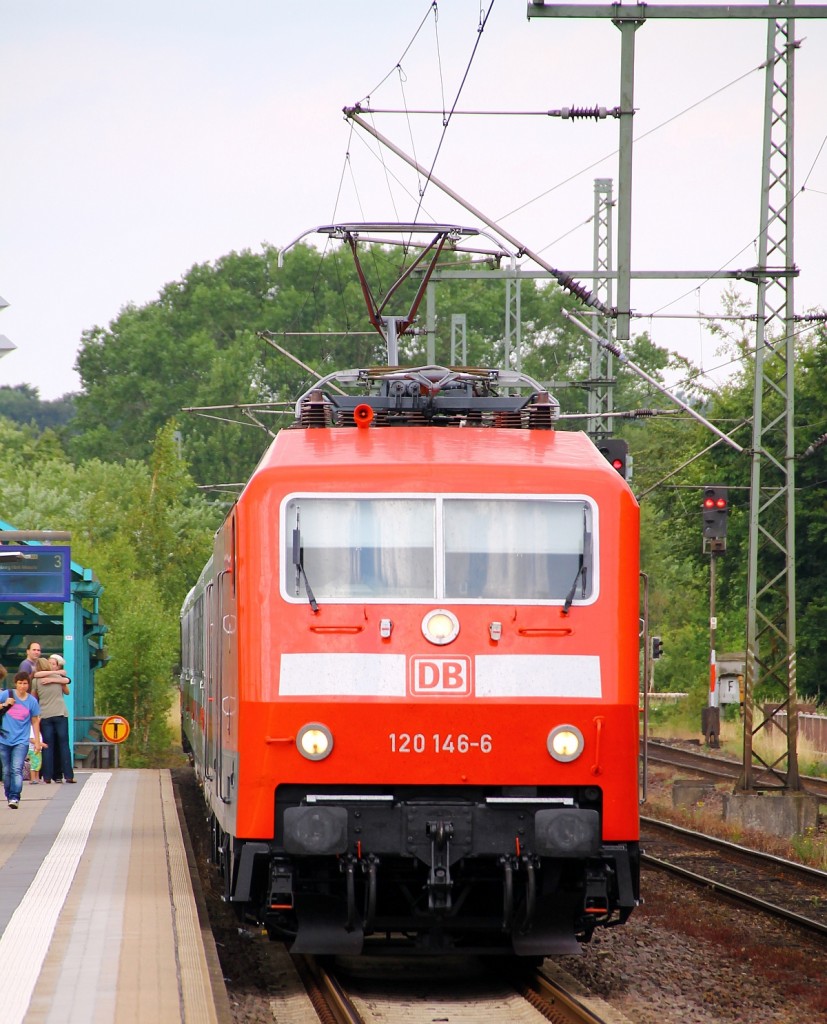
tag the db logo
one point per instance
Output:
(443, 677)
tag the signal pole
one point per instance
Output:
(714, 512)
(712, 725)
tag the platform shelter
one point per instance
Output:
(73, 628)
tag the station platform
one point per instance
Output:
(99, 918)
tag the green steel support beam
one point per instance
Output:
(771, 631)
(771, 592)
(663, 12)
(513, 337)
(600, 395)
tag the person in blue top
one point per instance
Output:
(21, 717)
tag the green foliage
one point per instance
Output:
(22, 404)
(142, 647)
(200, 345)
(679, 719)
(145, 532)
(212, 339)
(197, 346)
(672, 547)
(811, 512)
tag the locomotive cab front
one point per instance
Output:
(427, 734)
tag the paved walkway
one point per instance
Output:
(98, 918)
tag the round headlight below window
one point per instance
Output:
(314, 741)
(440, 626)
(565, 742)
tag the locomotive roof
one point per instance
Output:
(488, 429)
(427, 396)
(372, 451)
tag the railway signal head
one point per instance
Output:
(714, 512)
(657, 648)
(616, 451)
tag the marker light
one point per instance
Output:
(314, 741)
(565, 742)
(440, 626)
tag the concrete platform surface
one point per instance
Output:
(98, 918)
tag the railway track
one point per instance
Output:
(462, 990)
(783, 888)
(716, 767)
(263, 981)
(777, 886)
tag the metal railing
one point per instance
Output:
(97, 746)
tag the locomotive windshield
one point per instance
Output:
(430, 548)
(505, 549)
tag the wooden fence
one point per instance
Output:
(812, 728)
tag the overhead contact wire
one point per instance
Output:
(637, 138)
(447, 120)
(812, 168)
(433, 6)
(781, 211)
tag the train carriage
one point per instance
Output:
(410, 673)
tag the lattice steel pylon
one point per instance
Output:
(600, 385)
(513, 335)
(771, 641)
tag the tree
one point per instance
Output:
(146, 533)
(199, 345)
(137, 682)
(666, 445)
(22, 404)
(811, 512)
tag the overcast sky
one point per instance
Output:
(141, 139)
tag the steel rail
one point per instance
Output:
(330, 1001)
(742, 897)
(806, 870)
(717, 767)
(799, 920)
(551, 998)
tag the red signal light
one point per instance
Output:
(715, 509)
(616, 452)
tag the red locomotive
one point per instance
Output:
(410, 673)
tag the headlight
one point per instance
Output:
(315, 741)
(440, 626)
(565, 742)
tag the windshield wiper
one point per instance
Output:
(298, 561)
(581, 571)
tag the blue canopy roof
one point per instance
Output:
(72, 629)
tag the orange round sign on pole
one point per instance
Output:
(115, 729)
